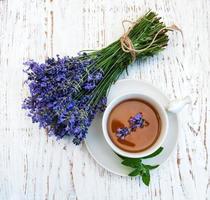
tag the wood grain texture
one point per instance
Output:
(34, 166)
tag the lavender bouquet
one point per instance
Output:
(67, 92)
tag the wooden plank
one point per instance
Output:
(34, 166)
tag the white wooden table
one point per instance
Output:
(34, 166)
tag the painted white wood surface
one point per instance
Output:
(34, 166)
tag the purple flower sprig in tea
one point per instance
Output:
(66, 93)
(123, 132)
(134, 122)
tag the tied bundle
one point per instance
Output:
(66, 93)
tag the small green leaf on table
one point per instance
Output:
(140, 169)
(146, 178)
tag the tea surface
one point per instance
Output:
(142, 138)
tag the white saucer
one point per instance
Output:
(97, 145)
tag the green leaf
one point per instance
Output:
(135, 172)
(154, 154)
(146, 178)
(140, 169)
(150, 167)
(131, 162)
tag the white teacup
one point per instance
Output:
(174, 106)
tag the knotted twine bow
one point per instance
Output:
(127, 45)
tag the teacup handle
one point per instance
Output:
(177, 105)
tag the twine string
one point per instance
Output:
(127, 45)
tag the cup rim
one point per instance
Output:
(164, 126)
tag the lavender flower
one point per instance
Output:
(54, 101)
(123, 132)
(92, 80)
(134, 122)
